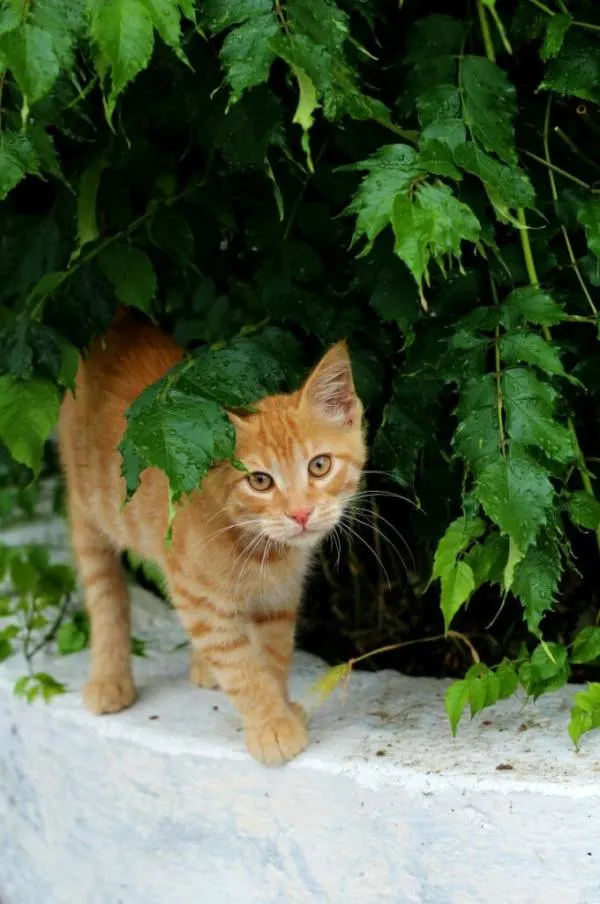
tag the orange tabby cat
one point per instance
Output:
(242, 543)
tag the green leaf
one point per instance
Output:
(123, 31)
(389, 172)
(479, 689)
(458, 537)
(28, 414)
(458, 583)
(47, 685)
(585, 714)
(529, 415)
(506, 186)
(455, 701)
(29, 53)
(589, 217)
(89, 183)
(17, 159)
(530, 305)
(508, 680)
(436, 157)
(489, 106)
(586, 646)
(517, 495)
(71, 638)
(476, 438)
(584, 510)
(548, 670)
(556, 29)
(247, 52)
(431, 224)
(530, 348)
(179, 423)
(304, 115)
(138, 647)
(575, 71)
(536, 580)
(6, 648)
(488, 560)
(130, 271)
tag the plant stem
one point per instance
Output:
(485, 32)
(389, 648)
(591, 26)
(526, 245)
(558, 170)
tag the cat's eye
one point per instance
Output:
(260, 481)
(319, 466)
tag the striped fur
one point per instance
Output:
(238, 560)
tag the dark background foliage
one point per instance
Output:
(262, 179)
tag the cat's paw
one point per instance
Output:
(201, 675)
(300, 712)
(109, 695)
(279, 740)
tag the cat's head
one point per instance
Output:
(304, 453)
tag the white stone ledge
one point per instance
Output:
(161, 804)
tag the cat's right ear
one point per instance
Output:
(329, 390)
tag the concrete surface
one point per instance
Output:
(162, 805)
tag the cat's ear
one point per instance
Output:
(329, 390)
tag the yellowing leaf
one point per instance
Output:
(304, 115)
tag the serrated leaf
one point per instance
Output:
(484, 688)
(489, 105)
(530, 415)
(556, 29)
(517, 495)
(431, 224)
(575, 70)
(29, 53)
(456, 539)
(247, 51)
(536, 580)
(28, 414)
(548, 670)
(488, 560)
(389, 172)
(455, 701)
(586, 646)
(130, 271)
(123, 31)
(589, 217)
(436, 157)
(17, 159)
(506, 186)
(530, 305)
(584, 510)
(585, 714)
(179, 423)
(166, 18)
(477, 438)
(457, 584)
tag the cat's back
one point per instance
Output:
(121, 364)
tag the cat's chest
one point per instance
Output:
(271, 586)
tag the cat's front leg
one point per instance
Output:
(275, 731)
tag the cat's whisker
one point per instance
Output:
(387, 494)
(379, 517)
(346, 528)
(384, 537)
(231, 526)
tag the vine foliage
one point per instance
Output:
(262, 178)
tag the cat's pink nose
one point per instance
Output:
(301, 515)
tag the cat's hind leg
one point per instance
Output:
(201, 673)
(110, 686)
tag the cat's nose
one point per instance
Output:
(301, 515)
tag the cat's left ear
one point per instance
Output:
(329, 390)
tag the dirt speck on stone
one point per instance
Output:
(504, 767)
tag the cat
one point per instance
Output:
(241, 544)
